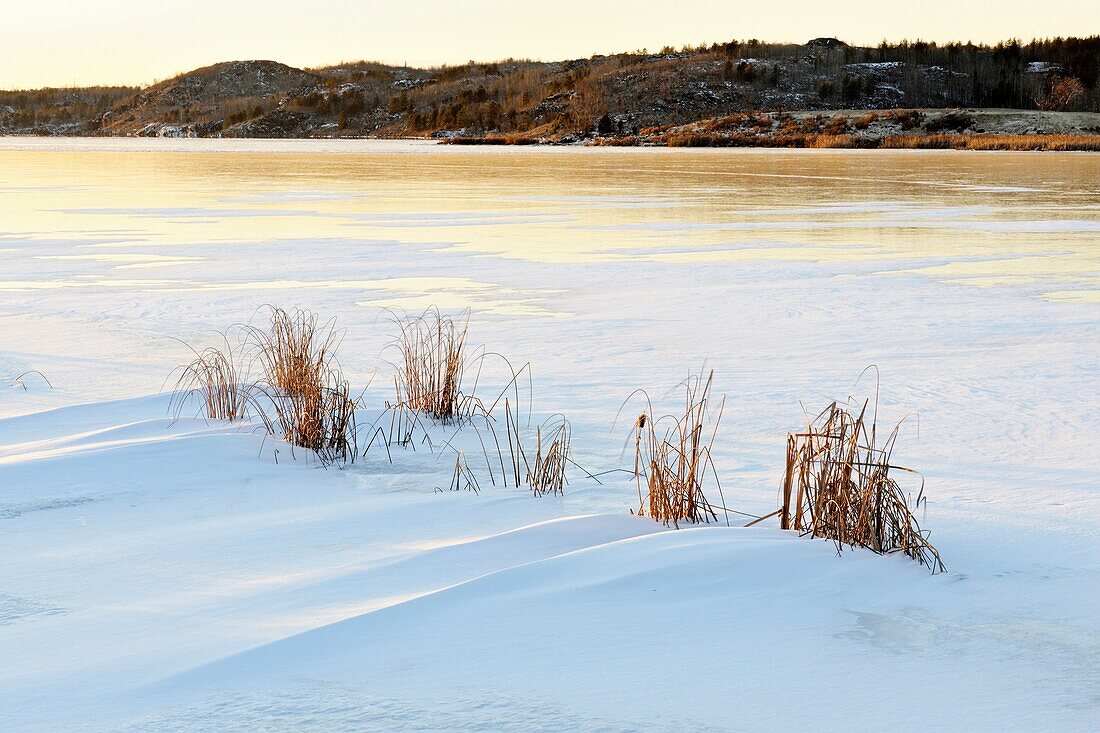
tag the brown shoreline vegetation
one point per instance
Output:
(673, 454)
(911, 141)
(299, 393)
(936, 141)
(840, 485)
(839, 482)
(895, 129)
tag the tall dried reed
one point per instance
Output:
(303, 397)
(838, 485)
(219, 378)
(434, 359)
(673, 454)
(433, 352)
(463, 478)
(553, 442)
(544, 470)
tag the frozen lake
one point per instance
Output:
(141, 559)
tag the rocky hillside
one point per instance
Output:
(976, 129)
(620, 95)
(201, 101)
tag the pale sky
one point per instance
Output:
(81, 42)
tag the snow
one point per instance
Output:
(877, 65)
(1042, 67)
(179, 575)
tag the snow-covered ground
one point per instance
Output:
(160, 575)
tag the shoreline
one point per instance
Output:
(985, 143)
(861, 129)
(933, 129)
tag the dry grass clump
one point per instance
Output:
(626, 141)
(319, 416)
(219, 378)
(812, 124)
(835, 126)
(496, 139)
(826, 140)
(907, 119)
(429, 379)
(308, 403)
(842, 489)
(543, 468)
(433, 352)
(837, 133)
(782, 138)
(546, 473)
(707, 140)
(994, 141)
(463, 478)
(761, 122)
(300, 396)
(862, 123)
(673, 453)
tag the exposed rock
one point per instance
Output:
(826, 43)
(406, 84)
(279, 123)
(199, 93)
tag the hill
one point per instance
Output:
(615, 96)
(203, 99)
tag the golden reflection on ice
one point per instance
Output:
(985, 219)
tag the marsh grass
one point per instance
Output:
(840, 485)
(296, 351)
(299, 396)
(673, 455)
(399, 425)
(463, 478)
(218, 377)
(546, 473)
(539, 460)
(995, 141)
(433, 361)
(543, 466)
(303, 397)
(788, 137)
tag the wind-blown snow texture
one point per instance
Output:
(160, 575)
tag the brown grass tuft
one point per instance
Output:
(428, 383)
(806, 136)
(433, 352)
(463, 478)
(993, 141)
(906, 118)
(865, 121)
(842, 489)
(673, 453)
(546, 475)
(303, 397)
(218, 377)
